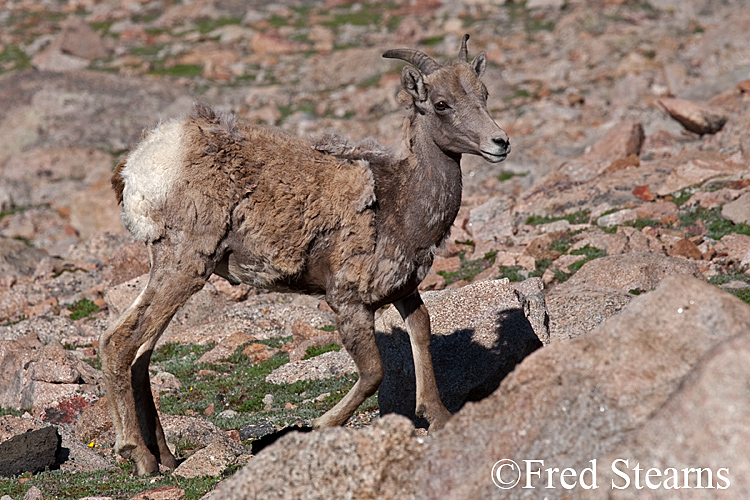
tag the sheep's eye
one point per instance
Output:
(441, 105)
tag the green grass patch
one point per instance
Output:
(642, 223)
(367, 15)
(311, 352)
(145, 17)
(276, 342)
(118, 483)
(373, 81)
(393, 23)
(278, 21)
(581, 217)
(716, 225)
(681, 197)
(12, 211)
(429, 42)
(723, 279)
(562, 245)
(13, 58)
(505, 176)
(469, 268)
(180, 359)
(743, 295)
(733, 275)
(11, 323)
(533, 24)
(82, 309)
(514, 273)
(10, 411)
(591, 253)
(239, 384)
(147, 50)
(180, 70)
(102, 26)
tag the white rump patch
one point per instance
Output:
(151, 170)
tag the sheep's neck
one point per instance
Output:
(433, 192)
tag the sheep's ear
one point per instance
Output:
(413, 83)
(480, 63)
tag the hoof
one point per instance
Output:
(438, 422)
(145, 464)
(169, 461)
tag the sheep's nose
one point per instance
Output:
(503, 143)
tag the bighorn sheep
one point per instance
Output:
(344, 220)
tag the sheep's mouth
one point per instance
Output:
(492, 157)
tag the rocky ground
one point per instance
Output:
(616, 236)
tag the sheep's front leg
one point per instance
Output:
(125, 350)
(417, 319)
(356, 324)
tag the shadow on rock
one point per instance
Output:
(469, 363)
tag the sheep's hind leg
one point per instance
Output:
(125, 350)
(356, 325)
(417, 319)
(148, 418)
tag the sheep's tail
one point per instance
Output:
(118, 183)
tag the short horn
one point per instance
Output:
(424, 63)
(463, 54)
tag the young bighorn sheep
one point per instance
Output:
(344, 220)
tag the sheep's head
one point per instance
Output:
(452, 101)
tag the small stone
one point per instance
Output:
(734, 246)
(433, 281)
(545, 4)
(302, 331)
(617, 218)
(623, 163)
(33, 493)
(327, 365)
(564, 261)
(228, 414)
(490, 273)
(738, 211)
(226, 347)
(644, 193)
(694, 117)
(548, 276)
(656, 210)
(213, 460)
(735, 285)
(685, 248)
(165, 381)
(457, 284)
(744, 86)
(491, 221)
(620, 144)
(539, 247)
(268, 401)
(259, 352)
(170, 492)
(446, 264)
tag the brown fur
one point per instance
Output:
(118, 183)
(342, 219)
